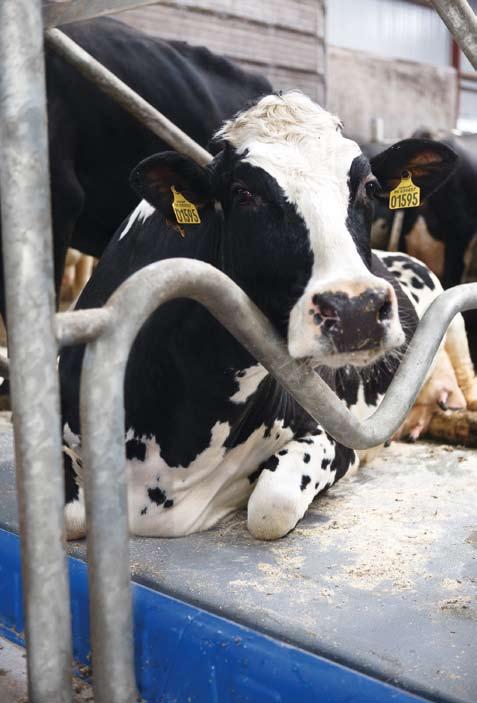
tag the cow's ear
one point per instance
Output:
(154, 178)
(430, 164)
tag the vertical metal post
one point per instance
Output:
(28, 262)
(105, 477)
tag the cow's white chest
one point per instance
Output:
(215, 484)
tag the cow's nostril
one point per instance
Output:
(385, 311)
(327, 311)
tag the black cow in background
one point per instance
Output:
(94, 143)
(442, 232)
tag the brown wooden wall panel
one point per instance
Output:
(231, 36)
(312, 84)
(282, 39)
(304, 16)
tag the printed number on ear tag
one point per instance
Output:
(406, 194)
(186, 213)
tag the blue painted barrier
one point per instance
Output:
(186, 655)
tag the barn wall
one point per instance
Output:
(405, 94)
(283, 39)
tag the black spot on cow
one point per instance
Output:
(396, 273)
(415, 297)
(306, 458)
(416, 283)
(135, 449)
(168, 503)
(305, 480)
(156, 496)
(342, 461)
(270, 464)
(277, 436)
(144, 510)
(267, 433)
(346, 384)
(282, 452)
(71, 485)
(410, 265)
(305, 440)
(325, 463)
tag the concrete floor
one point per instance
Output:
(381, 574)
(13, 677)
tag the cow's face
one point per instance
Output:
(297, 199)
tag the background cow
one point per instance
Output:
(285, 210)
(442, 232)
(94, 143)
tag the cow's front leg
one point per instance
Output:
(457, 346)
(290, 480)
(75, 513)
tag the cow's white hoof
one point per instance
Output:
(272, 516)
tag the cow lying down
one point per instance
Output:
(285, 210)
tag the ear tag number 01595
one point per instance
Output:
(186, 212)
(406, 194)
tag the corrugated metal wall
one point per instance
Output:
(283, 39)
(390, 28)
(389, 59)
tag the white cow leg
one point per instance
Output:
(289, 482)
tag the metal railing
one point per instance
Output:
(35, 334)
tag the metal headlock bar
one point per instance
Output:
(461, 22)
(133, 103)
(35, 334)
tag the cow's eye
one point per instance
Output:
(372, 188)
(244, 196)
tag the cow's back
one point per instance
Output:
(194, 88)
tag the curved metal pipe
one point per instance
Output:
(184, 278)
(79, 326)
(102, 421)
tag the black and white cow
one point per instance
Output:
(285, 211)
(94, 143)
(443, 231)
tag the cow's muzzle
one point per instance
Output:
(346, 324)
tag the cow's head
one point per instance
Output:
(297, 200)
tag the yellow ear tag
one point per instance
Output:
(185, 212)
(406, 194)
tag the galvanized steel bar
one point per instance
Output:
(133, 103)
(178, 278)
(30, 300)
(105, 485)
(461, 22)
(57, 12)
(80, 326)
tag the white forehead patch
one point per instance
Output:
(301, 146)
